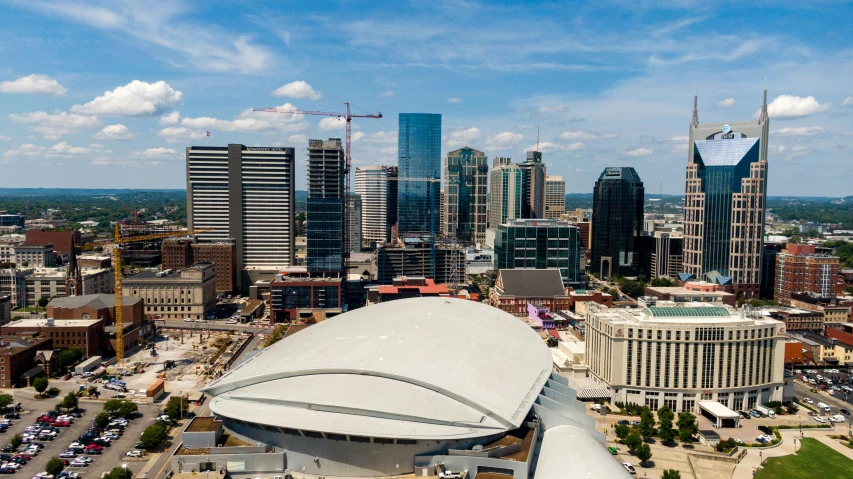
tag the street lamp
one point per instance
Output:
(124, 471)
(760, 457)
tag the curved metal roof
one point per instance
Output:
(414, 368)
(692, 312)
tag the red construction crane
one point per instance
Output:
(347, 116)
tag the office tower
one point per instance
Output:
(465, 187)
(555, 196)
(419, 163)
(799, 269)
(660, 254)
(539, 244)
(413, 257)
(726, 190)
(354, 213)
(617, 222)
(245, 193)
(377, 187)
(533, 171)
(325, 206)
(506, 192)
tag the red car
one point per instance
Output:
(94, 447)
(60, 424)
(44, 418)
(25, 457)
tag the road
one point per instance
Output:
(801, 390)
(215, 325)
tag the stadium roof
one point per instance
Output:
(416, 368)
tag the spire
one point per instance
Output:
(537, 136)
(695, 121)
(763, 117)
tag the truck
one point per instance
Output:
(823, 407)
(765, 411)
(115, 387)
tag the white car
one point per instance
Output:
(44, 475)
(808, 401)
(231, 321)
(79, 463)
(188, 320)
(134, 453)
(200, 321)
(820, 419)
(628, 467)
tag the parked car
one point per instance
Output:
(68, 455)
(624, 421)
(79, 463)
(628, 467)
(134, 453)
(820, 419)
(613, 450)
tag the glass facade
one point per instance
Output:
(466, 179)
(617, 222)
(539, 244)
(419, 151)
(325, 206)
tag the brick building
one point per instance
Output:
(19, 355)
(515, 288)
(62, 240)
(86, 334)
(102, 306)
(800, 270)
(182, 252)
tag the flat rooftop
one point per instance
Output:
(57, 323)
(203, 424)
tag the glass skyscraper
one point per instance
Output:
(617, 222)
(325, 206)
(539, 244)
(419, 188)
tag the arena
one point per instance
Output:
(411, 386)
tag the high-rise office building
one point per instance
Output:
(354, 213)
(539, 244)
(465, 193)
(419, 163)
(377, 187)
(506, 192)
(325, 206)
(726, 192)
(533, 171)
(555, 196)
(617, 222)
(245, 193)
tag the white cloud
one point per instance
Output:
(551, 108)
(155, 152)
(64, 149)
(4, 137)
(728, 102)
(799, 131)
(790, 106)
(34, 85)
(56, 124)
(575, 146)
(503, 140)
(454, 100)
(297, 89)
(847, 101)
(525, 126)
(387, 94)
(114, 132)
(332, 123)
(608, 136)
(249, 121)
(463, 136)
(27, 149)
(180, 134)
(297, 139)
(680, 139)
(170, 118)
(578, 135)
(378, 137)
(390, 150)
(639, 152)
(544, 146)
(137, 98)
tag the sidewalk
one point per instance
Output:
(745, 469)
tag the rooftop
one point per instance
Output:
(538, 283)
(203, 424)
(694, 312)
(58, 323)
(94, 301)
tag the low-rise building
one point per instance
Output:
(516, 288)
(86, 334)
(34, 256)
(295, 295)
(169, 294)
(678, 356)
(412, 256)
(19, 355)
(51, 283)
(823, 349)
(5, 308)
(94, 261)
(797, 319)
(693, 292)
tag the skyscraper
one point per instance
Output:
(726, 193)
(419, 163)
(555, 196)
(617, 222)
(325, 206)
(465, 187)
(506, 192)
(533, 171)
(244, 193)
(539, 244)
(354, 212)
(377, 187)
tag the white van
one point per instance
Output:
(824, 407)
(837, 418)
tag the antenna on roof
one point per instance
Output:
(537, 137)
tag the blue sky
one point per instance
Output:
(108, 94)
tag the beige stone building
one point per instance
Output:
(169, 294)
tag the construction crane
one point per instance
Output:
(347, 116)
(116, 245)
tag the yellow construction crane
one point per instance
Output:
(116, 244)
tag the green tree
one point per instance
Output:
(54, 467)
(102, 420)
(68, 357)
(127, 408)
(69, 401)
(643, 452)
(665, 282)
(633, 440)
(119, 473)
(686, 427)
(16, 441)
(40, 384)
(647, 423)
(43, 301)
(112, 406)
(670, 474)
(633, 289)
(153, 435)
(5, 400)
(665, 417)
(622, 431)
(275, 336)
(176, 407)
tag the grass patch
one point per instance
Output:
(813, 459)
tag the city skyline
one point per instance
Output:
(92, 92)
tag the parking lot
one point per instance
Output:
(112, 456)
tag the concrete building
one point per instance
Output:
(188, 293)
(354, 214)
(492, 405)
(800, 270)
(40, 256)
(294, 295)
(326, 206)
(693, 293)
(7, 248)
(7, 219)
(506, 192)
(678, 356)
(555, 196)
(377, 187)
(246, 194)
(94, 261)
(51, 283)
(5, 309)
(661, 255)
(539, 244)
(419, 168)
(617, 222)
(533, 179)
(725, 201)
(13, 283)
(466, 179)
(413, 256)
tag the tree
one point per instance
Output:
(54, 467)
(153, 435)
(622, 431)
(633, 440)
(40, 384)
(54, 391)
(102, 420)
(68, 357)
(5, 400)
(275, 336)
(43, 301)
(69, 401)
(119, 473)
(671, 474)
(647, 423)
(665, 416)
(16, 441)
(176, 407)
(112, 406)
(686, 427)
(633, 289)
(127, 408)
(665, 282)
(643, 452)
